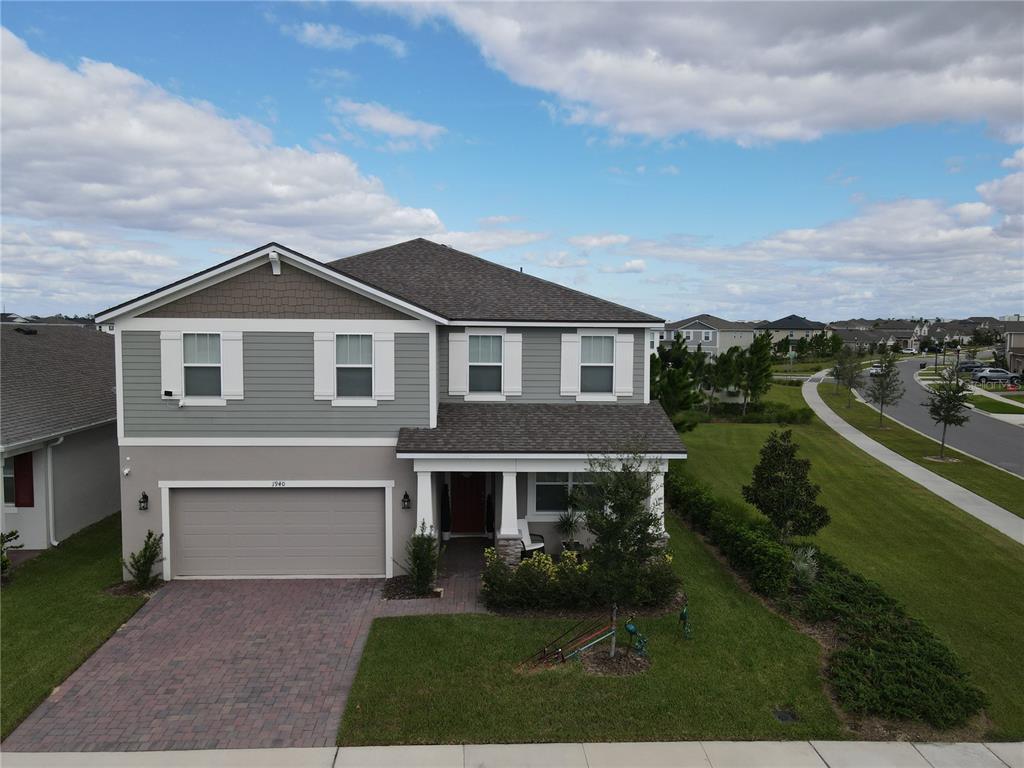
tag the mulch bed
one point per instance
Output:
(128, 589)
(596, 661)
(400, 588)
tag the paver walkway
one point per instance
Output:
(226, 664)
(679, 754)
(1002, 520)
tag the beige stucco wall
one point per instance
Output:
(150, 464)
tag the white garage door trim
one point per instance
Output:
(165, 508)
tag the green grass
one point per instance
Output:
(991, 405)
(997, 486)
(55, 614)
(957, 574)
(1014, 395)
(803, 366)
(451, 679)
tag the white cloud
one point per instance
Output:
(758, 72)
(1016, 161)
(669, 170)
(405, 132)
(1006, 194)
(631, 266)
(497, 221)
(488, 239)
(598, 241)
(331, 37)
(124, 175)
(972, 213)
(559, 260)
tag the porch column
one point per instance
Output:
(424, 500)
(657, 500)
(508, 542)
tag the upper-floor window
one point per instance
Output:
(707, 335)
(688, 335)
(201, 357)
(485, 363)
(597, 363)
(8, 480)
(353, 362)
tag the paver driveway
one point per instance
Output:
(225, 664)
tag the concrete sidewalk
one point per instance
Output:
(682, 754)
(1002, 520)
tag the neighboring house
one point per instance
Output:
(1014, 338)
(958, 331)
(792, 327)
(10, 317)
(58, 436)
(713, 334)
(286, 417)
(860, 340)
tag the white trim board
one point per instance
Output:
(548, 324)
(166, 486)
(272, 325)
(273, 442)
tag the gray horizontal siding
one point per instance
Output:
(278, 402)
(542, 365)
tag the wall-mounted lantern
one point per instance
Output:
(143, 502)
(406, 501)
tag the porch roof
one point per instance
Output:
(571, 428)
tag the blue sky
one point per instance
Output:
(822, 175)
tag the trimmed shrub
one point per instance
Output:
(756, 554)
(140, 564)
(422, 556)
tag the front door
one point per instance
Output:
(468, 502)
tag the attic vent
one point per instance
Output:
(27, 331)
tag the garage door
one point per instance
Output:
(277, 532)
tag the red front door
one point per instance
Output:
(468, 503)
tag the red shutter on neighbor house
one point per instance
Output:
(23, 492)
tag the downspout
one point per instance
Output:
(49, 490)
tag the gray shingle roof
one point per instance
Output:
(460, 286)
(793, 322)
(53, 381)
(587, 428)
(714, 322)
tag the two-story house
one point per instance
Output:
(280, 416)
(713, 334)
(793, 327)
(1013, 336)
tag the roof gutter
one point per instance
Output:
(53, 436)
(50, 526)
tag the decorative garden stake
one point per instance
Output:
(684, 619)
(615, 613)
(639, 641)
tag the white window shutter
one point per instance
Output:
(171, 375)
(458, 363)
(512, 364)
(384, 365)
(231, 365)
(624, 366)
(570, 382)
(323, 366)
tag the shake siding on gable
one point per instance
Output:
(278, 393)
(542, 360)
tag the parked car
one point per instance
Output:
(875, 370)
(969, 365)
(985, 375)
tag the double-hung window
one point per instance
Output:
(597, 363)
(8, 481)
(554, 490)
(353, 361)
(688, 335)
(485, 363)
(201, 357)
(707, 335)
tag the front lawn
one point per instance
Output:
(451, 679)
(956, 573)
(994, 484)
(55, 614)
(991, 405)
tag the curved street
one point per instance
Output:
(991, 440)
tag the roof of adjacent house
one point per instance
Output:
(570, 428)
(1014, 326)
(54, 379)
(713, 322)
(460, 286)
(859, 336)
(794, 323)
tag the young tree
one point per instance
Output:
(886, 387)
(848, 372)
(781, 489)
(720, 374)
(947, 403)
(616, 509)
(755, 372)
(802, 347)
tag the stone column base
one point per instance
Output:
(509, 549)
